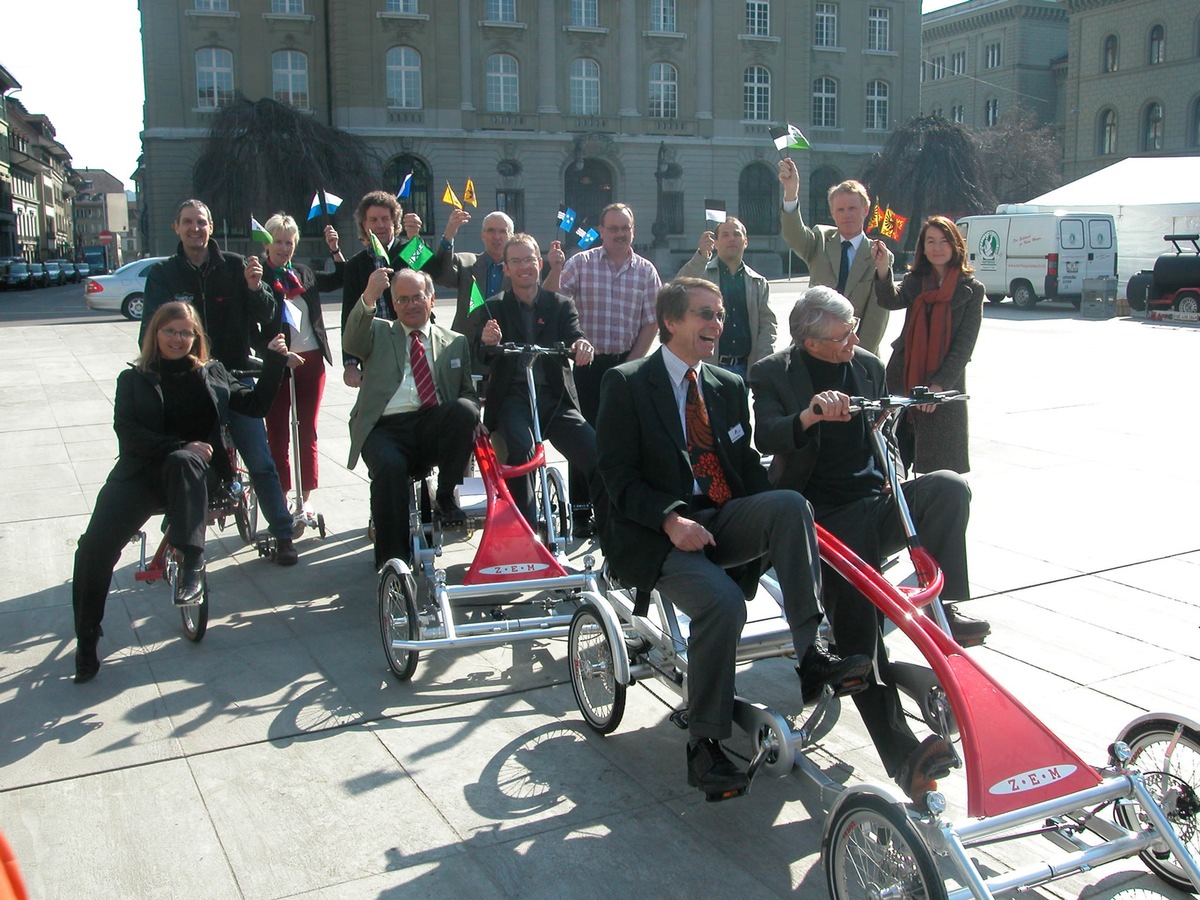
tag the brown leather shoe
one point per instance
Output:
(933, 759)
(285, 552)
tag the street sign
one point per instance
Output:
(106, 237)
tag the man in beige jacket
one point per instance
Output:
(839, 255)
(749, 333)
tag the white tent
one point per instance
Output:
(1148, 196)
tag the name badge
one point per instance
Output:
(456, 363)
(736, 432)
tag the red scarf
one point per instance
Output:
(287, 282)
(927, 330)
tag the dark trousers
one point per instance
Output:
(587, 388)
(563, 427)
(774, 524)
(403, 445)
(179, 483)
(940, 504)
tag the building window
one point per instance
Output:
(1106, 145)
(958, 114)
(289, 78)
(214, 77)
(991, 111)
(403, 76)
(958, 62)
(1109, 60)
(824, 105)
(1194, 128)
(1157, 46)
(664, 91)
(584, 14)
(402, 6)
(877, 105)
(756, 94)
(288, 7)
(993, 56)
(421, 196)
(758, 18)
(758, 199)
(937, 68)
(585, 87)
(501, 11)
(503, 84)
(662, 15)
(825, 26)
(879, 28)
(1153, 131)
(213, 5)
(512, 202)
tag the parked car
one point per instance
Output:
(54, 273)
(19, 276)
(82, 270)
(122, 290)
(39, 275)
(68, 271)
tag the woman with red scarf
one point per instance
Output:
(945, 309)
(308, 346)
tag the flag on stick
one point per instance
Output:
(258, 233)
(377, 250)
(788, 137)
(448, 196)
(714, 211)
(332, 202)
(876, 218)
(566, 218)
(476, 296)
(469, 193)
(415, 253)
(292, 314)
(405, 187)
(586, 239)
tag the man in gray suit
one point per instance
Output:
(835, 254)
(416, 407)
(749, 323)
(486, 269)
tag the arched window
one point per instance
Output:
(420, 197)
(1106, 143)
(588, 188)
(758, 199)
(289, 78)
(991, 111)
(756, 94)
(824, 103)
(1152, 127)
(664, 91)
(503, 84)
(403, 78)
(1108, 60)
(1157, 49)
(214, 77)
(584, 87)
(877, 105)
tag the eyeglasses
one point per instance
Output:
(845, 337)
(523, 261)
(172, 333)
(401, 300)
(707, 313)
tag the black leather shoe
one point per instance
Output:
(933, 759)
(965, 630)
(710, 770)
(452, 514)
(87, 660)
(190, 589)
(819, 668)
(285, 552)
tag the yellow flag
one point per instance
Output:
(469, 193)
(449, 197)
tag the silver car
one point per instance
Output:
(123, 290)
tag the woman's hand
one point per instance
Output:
(879, 254)
(294, 360)
(201, 449)
(279, 345)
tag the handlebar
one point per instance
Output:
(509, 348)
(921, 396)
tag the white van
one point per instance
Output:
(1040, 256)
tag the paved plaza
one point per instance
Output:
(279, 757)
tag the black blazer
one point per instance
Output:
(313, 283)
(555, 319)
(358, 270)
(644, 464)
(139, 421)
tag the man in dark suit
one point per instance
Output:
(688, 500)
(417, 407)
(801, 405)
(486, 269)
(527, 314)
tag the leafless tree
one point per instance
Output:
(1021, 158)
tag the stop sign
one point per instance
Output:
(106, 237)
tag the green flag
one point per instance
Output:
(476, 297)
(377, 248)
(789, 137)
(258, 233)
(415, 253)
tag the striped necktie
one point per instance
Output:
(421, 373)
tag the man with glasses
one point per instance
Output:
(529, 314)
(801, 404)
(691, 514)
(416, 406)
(485, 270)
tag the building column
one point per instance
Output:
(548, 73)
(704, 60)
(629, 40)
(466, 74)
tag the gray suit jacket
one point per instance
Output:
(758, 304)
(820, 247)
(383, 348)
(456, 270)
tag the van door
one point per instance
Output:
(987, 250)
(1102, 247)
(1072, 256)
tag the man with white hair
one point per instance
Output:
(486, 269)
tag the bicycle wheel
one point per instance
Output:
(398, 620)
(195, 616)
(873, 850)
(560, 509)
(245, 511)
(1168, 754)
(601, 698)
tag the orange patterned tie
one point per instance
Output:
(706, 466)
(421, 374)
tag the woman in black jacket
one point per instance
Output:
(170, 406)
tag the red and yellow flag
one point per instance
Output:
(876, 218)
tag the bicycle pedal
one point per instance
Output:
(718, 796)
(851, 686)
(679, 718)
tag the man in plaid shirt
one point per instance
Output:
(614, 290)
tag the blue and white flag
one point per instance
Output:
(332, 202)
(586, 239)
(405, 187)
(566, 218)
(293, 315)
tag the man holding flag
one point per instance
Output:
(836, 255)
(378, 217)
(471, 273)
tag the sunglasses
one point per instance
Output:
(707, 313)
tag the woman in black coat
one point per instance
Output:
(169, 411)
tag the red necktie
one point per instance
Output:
(420, 369)
(706, 466)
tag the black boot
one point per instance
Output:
(87, 661)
